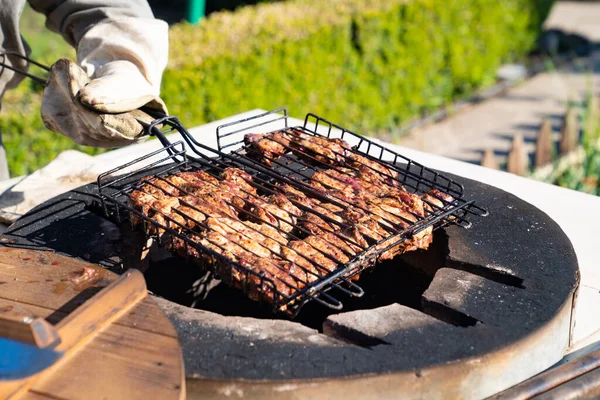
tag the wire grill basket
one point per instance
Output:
(269, 251)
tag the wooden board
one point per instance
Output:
(137, 357)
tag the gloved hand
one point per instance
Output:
(120, 67)
(63, 111)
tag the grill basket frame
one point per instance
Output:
(115, 187)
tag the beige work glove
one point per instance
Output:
(64, 112)
(120, 66)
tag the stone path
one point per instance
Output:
(493, 122)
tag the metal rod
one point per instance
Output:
(3, 54)
(195, 10)
(585, 386)
(552, 378)
(27, 74)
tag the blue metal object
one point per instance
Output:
(195, 10)
(19, 360)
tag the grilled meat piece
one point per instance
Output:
(249, 231)
(154, 203)
(372, 229)
(312, 270)
(163, 185)
(331, 247)
(191, 182)
(293, 194)
(280, 272)
(421, 240)
(393, 210)
(238, 181)
(359, 161)
(199, 179)
(267, 148)
(313, 224)
(318, 149)
(189, 210)
(148, 186)
(313, 206)
(211, 204)
(242, 240)
(354, 239)
(316, 257)
(268, 231)
(164, 214)
(284, 203)
(202, 184)
(410, 202)
(345, 242)
(437, 199)
(261, 210)
(285, 211)
(348, 181)
(141, 201)
(311, 148)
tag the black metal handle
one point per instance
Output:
(36, 78)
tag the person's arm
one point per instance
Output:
(108, 30)
(121, 47)
(73, 18)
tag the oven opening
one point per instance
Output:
(401, 280)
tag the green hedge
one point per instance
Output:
(369, 64)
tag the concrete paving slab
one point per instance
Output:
(493, 123)
(578, 17)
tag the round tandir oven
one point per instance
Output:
(479, 311)
(483, 309)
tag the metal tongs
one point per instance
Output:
(3, 64)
